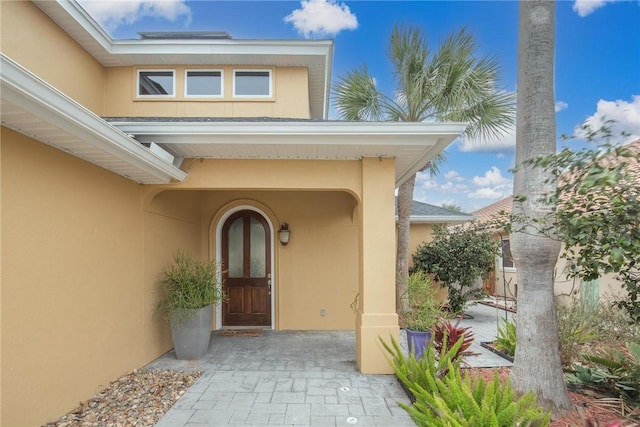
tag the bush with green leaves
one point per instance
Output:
(443, 398)
(576, 326)
(597, 211)
(189, 284)
(458, 258)
(506, 339)
(615, 371)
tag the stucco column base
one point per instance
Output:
(370, 355)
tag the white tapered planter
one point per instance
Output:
(191, 336)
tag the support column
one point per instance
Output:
(377, 316)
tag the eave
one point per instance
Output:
(36, 109)
(412, 145)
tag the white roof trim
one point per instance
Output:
(413, 145)
(33, 107)
(437, 219)
(316, 55)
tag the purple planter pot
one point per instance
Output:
(417, 342)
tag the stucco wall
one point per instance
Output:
(290, 96)
(71, 270)
(82, 266)
(31, 39)
(172, 221)
(319, 268)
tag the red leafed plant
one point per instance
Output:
(447, 334)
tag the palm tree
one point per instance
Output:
(537, 363)
(450, 84)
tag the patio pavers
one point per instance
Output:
(298, 378)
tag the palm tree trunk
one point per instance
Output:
(537, 363)
(405, 203)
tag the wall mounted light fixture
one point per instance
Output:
(284, 234)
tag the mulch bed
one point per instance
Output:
(139, 398)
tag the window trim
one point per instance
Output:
(501, 265)
(163, 70)
(186, 82)
(267, 70)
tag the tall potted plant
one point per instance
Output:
(424, 311)
(190, 289)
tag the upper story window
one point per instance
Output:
(203, 83)
(156, 83)
(252, 83)
(506, 260)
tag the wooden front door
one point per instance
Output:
(246, 251)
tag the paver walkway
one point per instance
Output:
(296, 378)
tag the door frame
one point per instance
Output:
(218, 240)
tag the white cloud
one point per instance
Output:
(506, 143)
(561, 105)
(322, 17)
(586, 7)
(111, 14)
(453, 176)
(492, 177)
(488, 193)
(624, 117)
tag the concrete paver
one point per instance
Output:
(298, 378)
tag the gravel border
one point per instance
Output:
(139, 398)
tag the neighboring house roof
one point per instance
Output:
(315, 55)
(495, 211)
(499, 211)
(424, 213)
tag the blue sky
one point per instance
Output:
(597, 61)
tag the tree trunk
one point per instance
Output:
(537, 365)
(405, 203)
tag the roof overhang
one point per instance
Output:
(315, 55)
(437, 219)
(412, 145)
(36, 109)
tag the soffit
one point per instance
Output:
(315, 55)
(412, 145)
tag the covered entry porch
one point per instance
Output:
(332, 183)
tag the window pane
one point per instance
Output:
(252, 83)
(507, 259)
(258, 249)
(204, 83)
(155, 83)
(236, 257)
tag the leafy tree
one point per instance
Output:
(458, 258)
(597, 214)
(449, 84)
(537, 365)
(452, 207)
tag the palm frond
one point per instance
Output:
(357, 98)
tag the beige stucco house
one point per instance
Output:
(116, 153)
(504, 281)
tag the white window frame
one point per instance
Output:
(139, 95)
(264, 70)
(501, 261)
(186, 82)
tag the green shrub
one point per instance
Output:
(443, 398)
(575, 327)
(506, 339)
